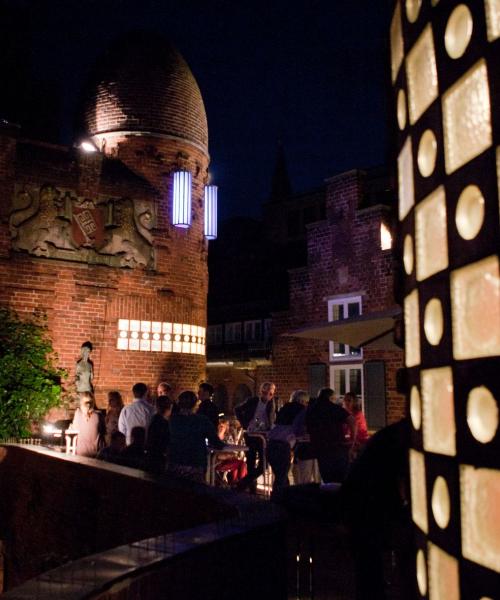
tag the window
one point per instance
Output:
(347, 378)
(232, 333)
(385, 237)
(253, 330)
(267, 329)
(344, 308)
(214, 335)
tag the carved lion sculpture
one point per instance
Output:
(34, 224)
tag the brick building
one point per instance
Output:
(347, 272)
(88, 237)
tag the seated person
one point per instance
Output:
(112, 453)
(229, 462)
(134, 454)
(159, 436)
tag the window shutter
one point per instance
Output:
(375, 394)
(317, 378)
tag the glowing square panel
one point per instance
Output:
(145, 345)
(418, 490)
(177, 328)
(135, 325)
(480, 513)
(186, 329)
(493, 19)
(177, 346)
(422, 75)
(406, 190)
(133, 344)
(397, 50)
(412, 331)
(467, 118)
(443, 575)
(167, 328)
(430, 234)
(156, 327)
(166, 346)
(146, 326)
(123, 324)
(475, 309)
(122, 344)
(155, 345)
(439, 426)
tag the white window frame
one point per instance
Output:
(232, 332)
(344, 301)
(347, 368)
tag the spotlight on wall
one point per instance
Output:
(181, 206)
(88, 146)
(211, 212)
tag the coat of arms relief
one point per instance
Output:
(55, 223)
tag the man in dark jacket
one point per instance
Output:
(326, 424)
(257, 416)
(207, 406)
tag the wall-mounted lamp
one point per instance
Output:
(181, 207)
(211, 212)
(88, 146)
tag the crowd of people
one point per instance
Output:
(304, 435)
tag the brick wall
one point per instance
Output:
(344, 257)
(84, 301)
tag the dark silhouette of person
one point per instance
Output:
(373, 502)
(325, 423)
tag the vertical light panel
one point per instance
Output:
(448, 160)
(211, 212)
(181, 205)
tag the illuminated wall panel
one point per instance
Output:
(448, 159)
(155, 336)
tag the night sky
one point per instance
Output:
(313, 74)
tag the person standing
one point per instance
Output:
(353, 406)
(90, 426)
(283, 436)
(207, 406)
(159, 436)
(326, 423)
(137, 414)
(115, 405)
(257, 415)
(164, 389)
(188, 435)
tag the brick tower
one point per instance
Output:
(92, 241)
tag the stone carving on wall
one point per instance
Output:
(56, 223)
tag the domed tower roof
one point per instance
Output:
(142, 84)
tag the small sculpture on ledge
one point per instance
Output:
(85, 370)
